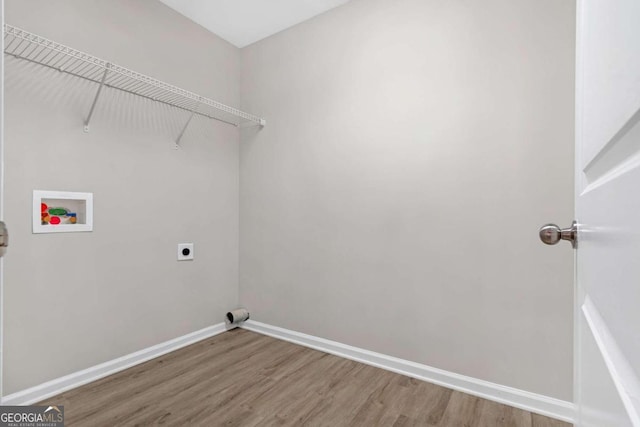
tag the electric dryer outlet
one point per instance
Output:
(185, 251)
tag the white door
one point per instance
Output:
(4, 237)
(607, 309)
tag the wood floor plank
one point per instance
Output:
(541, 421)
(424, 403)
(493, 414)
(463, 410)
(240, 378)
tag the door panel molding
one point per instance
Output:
(620, 155)
(622, 374)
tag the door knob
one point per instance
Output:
(551, 234)
(4, 238)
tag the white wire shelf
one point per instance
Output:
(31, 47)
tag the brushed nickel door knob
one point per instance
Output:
(4, 238)
(551, 234)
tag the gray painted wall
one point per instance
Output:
(413, 149)
(76, 300)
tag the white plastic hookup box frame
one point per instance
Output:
(82, 203)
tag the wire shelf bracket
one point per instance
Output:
(30, 47)
(95, 100)
(186, 125)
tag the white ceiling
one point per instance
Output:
(242, 22)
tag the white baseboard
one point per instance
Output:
(528, 401)
(62, 384)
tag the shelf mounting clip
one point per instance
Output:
(95, 99)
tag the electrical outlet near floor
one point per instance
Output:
(185, 251)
